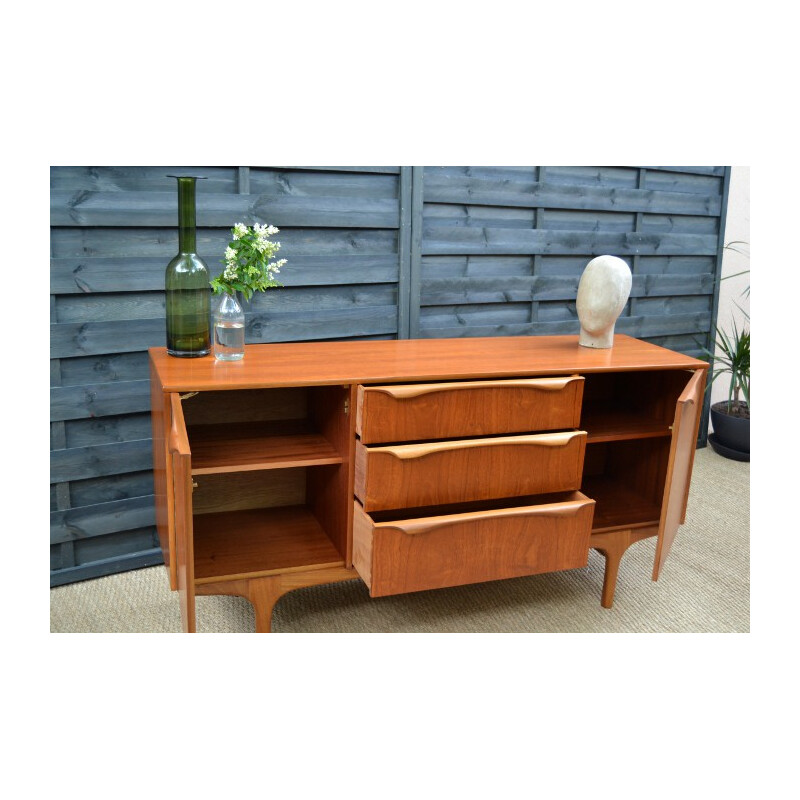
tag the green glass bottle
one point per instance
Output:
(188, 293)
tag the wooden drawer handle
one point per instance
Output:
(178, 440)
(178, 444)
(407, 392)
(414, 527)
(405, 451)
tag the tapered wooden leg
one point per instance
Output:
(613, 553)
(263, 593)
(613, 546)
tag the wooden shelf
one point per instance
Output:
(260, 541)
(615, 426)
(618, 506)
(253, 446)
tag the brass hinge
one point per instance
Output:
(346, 406)
(194, 485)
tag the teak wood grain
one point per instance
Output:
(184, 535)
(618, 505)
(265, 503)
(236, 491)
(434, 552)
(359, 362)
(256, 446)
(626, 477)
(679, 468)
(161, 421)
(468, 408)
(246, 407)
(265, 590)
(330, 488)
(459, 471)
(613, 544)
(254, 542)
(631, 405)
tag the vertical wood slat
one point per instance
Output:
(537, 258)
(243, 180)
(404, 254)
(415, 267)
(58, 441)
(637, 227)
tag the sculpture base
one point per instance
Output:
(603, 342)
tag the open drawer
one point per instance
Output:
(464, 470)
(397, 555)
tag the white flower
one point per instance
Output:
(230, 272)
(265, 230)
(249, 262)
(274, 267)
(264, 246)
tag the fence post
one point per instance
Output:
(415, 270)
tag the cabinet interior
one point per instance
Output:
(272, 470)
(626, 480)
(268, 466)
(630, 405)
(628, 418)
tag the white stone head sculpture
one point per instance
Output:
(603, 290)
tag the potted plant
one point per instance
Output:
(731, 418)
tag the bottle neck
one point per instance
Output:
(187, 230)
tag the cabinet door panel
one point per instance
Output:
(184, 535)
(679, 472)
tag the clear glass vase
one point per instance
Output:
(229, 329)
(188, 294)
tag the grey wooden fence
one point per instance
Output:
(373, 252)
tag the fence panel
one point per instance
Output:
(113, 231)
(373, 252)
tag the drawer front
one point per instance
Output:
(433, 552)
(478, 408)
(413, 475)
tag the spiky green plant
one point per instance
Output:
(732, 357)
(746, 290)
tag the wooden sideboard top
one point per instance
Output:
(395, 360)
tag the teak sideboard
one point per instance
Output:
(416, 464)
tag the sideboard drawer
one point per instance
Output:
(411, 475)
(419, 412)
(411, 555)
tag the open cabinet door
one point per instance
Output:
(679, 470)
(184, 536)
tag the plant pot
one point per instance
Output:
(731, 437)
